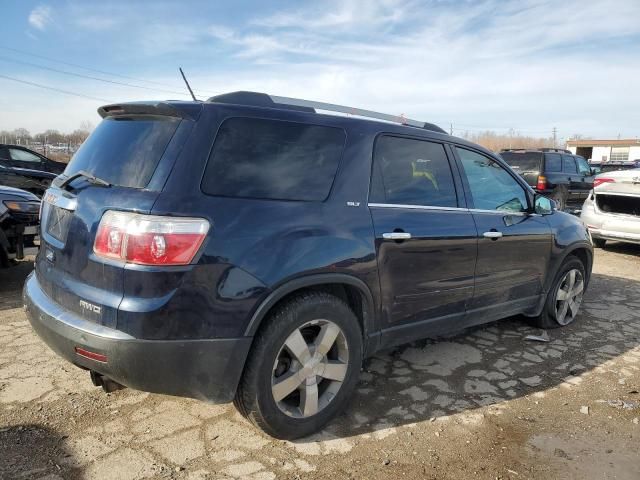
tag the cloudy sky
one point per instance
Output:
(529, 65)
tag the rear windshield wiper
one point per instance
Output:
(92, 179)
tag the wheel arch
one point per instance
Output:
(582, 251)
(351, 289)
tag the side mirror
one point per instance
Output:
(543, 205)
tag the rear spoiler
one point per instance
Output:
(185, 110)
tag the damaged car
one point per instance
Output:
(18, 225)
(612, 210)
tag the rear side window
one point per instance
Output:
(273, 159)
(411, 172)
(23, 156)
(553, 162)
(125, 151)
(523, 161)
(569, 164)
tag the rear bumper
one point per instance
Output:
(207, 369)
(623, 228)
(615, 235)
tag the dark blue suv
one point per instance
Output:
(250, 248)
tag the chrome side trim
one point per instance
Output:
(447, 209)
(499, 212)
(417, 207)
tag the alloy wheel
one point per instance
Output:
(569, 296)
(310, 368)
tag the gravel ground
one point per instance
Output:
(483, 404)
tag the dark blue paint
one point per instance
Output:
(446, 277)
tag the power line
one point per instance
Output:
(103, 72)
(59, 90)
(80, 75)
(83, 67)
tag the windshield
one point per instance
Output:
(523, 161)
(125, 151)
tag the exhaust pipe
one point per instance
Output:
(106, 383)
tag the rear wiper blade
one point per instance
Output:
(92, 179)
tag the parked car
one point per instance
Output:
(18, 224)
(22, 157)
(34, 181)
(616, 166)
(558, 174)
(248, 248)
(612, 210)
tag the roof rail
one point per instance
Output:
(273, 101)
(558, 150)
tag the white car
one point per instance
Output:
(612, 209)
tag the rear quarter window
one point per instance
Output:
(273, 159)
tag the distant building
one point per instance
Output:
(601, 151)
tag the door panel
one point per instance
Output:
(426, 239)
(514, 246)
(513, 266)
(429, 275)
(570, 169)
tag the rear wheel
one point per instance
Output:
(303, 366)
(559, 196)
(599, 242)
(565, 296)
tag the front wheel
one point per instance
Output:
(303, 366)
(565, 296)
(599, 242)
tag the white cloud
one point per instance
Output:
(40, 17)
(530, 65)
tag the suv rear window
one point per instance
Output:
(273, 159)
(125, 151)
(523, 162)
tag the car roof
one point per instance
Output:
(255, 101)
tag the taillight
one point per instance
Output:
(542, 183)
(599, 181)
(149, 239)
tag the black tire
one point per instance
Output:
(599, 242)
(254, 398)
(559, 196)
(548, 318)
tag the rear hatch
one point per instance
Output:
(527, 164)
(131, 153)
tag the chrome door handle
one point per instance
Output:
(492, 235)
(396, 236)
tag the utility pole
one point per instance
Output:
(555, 134)
(451, 128)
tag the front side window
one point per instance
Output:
(569, 164)
(411, 172)
(273, 159)
(22, 156)
(491, 186)
(583, 166)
